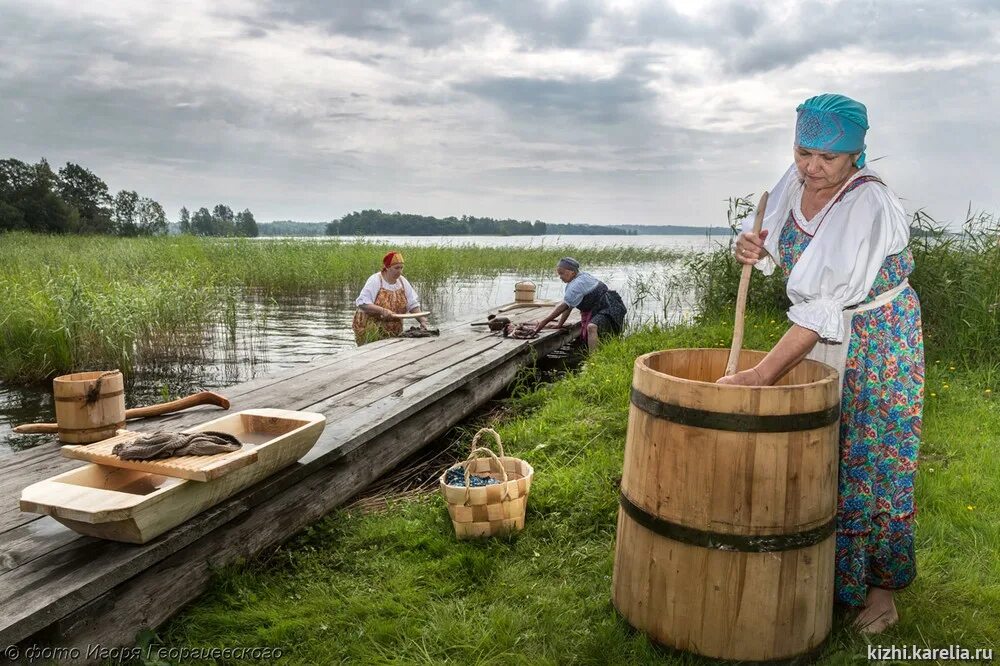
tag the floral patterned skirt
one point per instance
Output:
(881, 418)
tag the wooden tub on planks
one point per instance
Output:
(136, 501)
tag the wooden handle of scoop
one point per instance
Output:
(741, 295)
(203, 398)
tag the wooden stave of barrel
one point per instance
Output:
(713, 555)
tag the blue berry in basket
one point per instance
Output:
(456, 477)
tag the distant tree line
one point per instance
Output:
(221, 221)
(371, 222)
(291, 228)
(588, 230)
(74, 200)
(674, 229)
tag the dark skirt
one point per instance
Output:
(608, 316)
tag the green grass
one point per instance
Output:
(71, 303)
(397, 587)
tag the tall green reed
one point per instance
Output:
(958, 281)
(137, 303)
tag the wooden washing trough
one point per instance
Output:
(136, 501)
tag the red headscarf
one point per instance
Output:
(391, 258)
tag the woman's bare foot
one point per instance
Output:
(879, 612)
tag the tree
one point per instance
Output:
(125, 213)
(30, 200)
(223, 221)
(80, 188)
(11, 217)
(150, 218)
(246, 225)
(201, 222)
(185, 220)
(16, 178)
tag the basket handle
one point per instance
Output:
(476, 453)
(496, 436)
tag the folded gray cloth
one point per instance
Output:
(165, 444)
(414, 332)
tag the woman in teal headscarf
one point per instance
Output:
(840, 237)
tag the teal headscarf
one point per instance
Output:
(834, 123)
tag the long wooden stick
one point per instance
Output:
(203, 398)
(741, 295)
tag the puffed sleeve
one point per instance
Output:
(412, 300)
(369, 291)
(574, 293)
(843, 259)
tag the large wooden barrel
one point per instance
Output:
(90, 406)
(725, 542)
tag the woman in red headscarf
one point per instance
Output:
(385, 295)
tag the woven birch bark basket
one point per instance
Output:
(489, 510)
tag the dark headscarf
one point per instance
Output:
(569, 263)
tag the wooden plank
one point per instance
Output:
(337, 413)
(53, 584)
(293, 395)
(430, 360)
(152, 597)
(344, 362)
(50, 463)
(64, 579)
(31, 540)
(398, 382)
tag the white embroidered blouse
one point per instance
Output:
(376, 282)
(850, 241)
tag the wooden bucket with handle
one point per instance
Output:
(524, 292)
(90, 406)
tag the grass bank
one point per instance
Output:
(396, 587)
(69, 303)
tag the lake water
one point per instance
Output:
(694, 242)
(277, 334)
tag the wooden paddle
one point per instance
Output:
(203, 398)
(741, 295)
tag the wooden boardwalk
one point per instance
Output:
(382, 402)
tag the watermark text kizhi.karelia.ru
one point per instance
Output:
(918, 653)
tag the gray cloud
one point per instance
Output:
(600, 101)
(565, 111)
(562, 24)
(424, 24)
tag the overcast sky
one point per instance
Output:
(594, 112)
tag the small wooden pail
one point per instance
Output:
(489, 510)
(524, 292)
(90, 406)
(725, 543)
